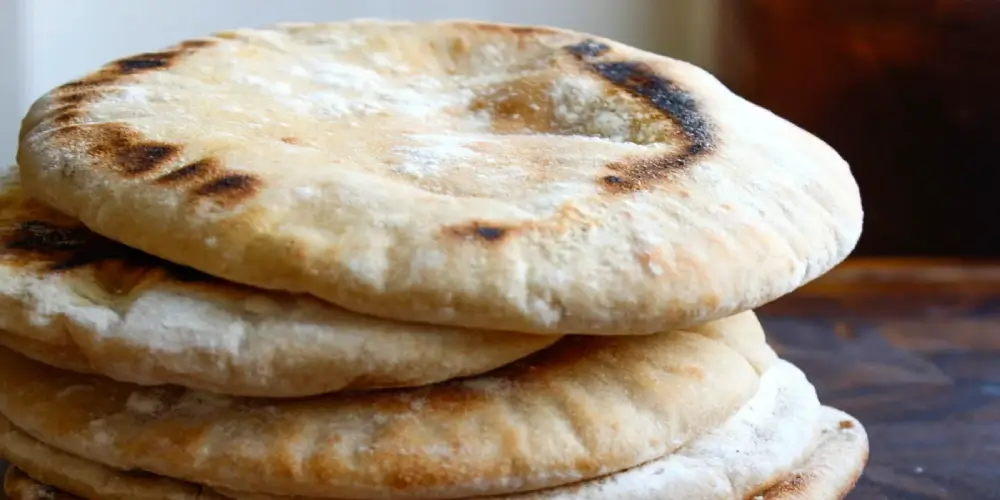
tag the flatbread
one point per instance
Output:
(586, 407)
(833, 469)
(135, 318)
(462, 173)
(770, 443)
(67, 473)
(741, 332)
(18, 486)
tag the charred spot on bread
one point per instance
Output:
(61, 248)
(480, 231)
(588, 48)
(230, 187)
(194, 171)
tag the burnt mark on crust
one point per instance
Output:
(194, 171)
(667, 98)
(66, 115)
(130, 154)
(76, 97)
(57, 248)
(141, 158)
(673, 102)
(139, 63)
(665, 95)
(79, 92)
(146, 62)
(613, 181)
(845, 424)
(490, 233)
(230, 187)
(135, 64)
(86, 87)
(39, 236)
(127, 151)
(636, 174)
(197, 44)
(481, 231)
(588, 48)
(69, 110)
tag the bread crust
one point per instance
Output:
(779, 445)
(586, 407)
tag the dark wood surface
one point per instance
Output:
(912, 349)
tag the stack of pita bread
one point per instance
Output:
(441, 260)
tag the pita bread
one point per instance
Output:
(87, 479)
(775, 435)
(833, 469)
(18, 486)
(748, 342)
(138, 319)
(586, 407)
(470, 174)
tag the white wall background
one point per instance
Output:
(44, 43)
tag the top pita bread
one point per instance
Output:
(460, 173)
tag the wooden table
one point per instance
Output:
(912, 349)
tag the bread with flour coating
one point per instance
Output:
(454, 172)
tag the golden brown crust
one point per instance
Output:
(765, 439)
(585, 407)
(58, 471)
(694, 473)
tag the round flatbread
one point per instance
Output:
(775, 441)
(586, 407)
(470, 174)
(82, 302)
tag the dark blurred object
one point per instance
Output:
(908, 91)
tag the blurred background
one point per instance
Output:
(904, 89)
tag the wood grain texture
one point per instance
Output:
(912, 349)
(898, 288)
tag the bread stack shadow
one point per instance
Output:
(288, 356)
